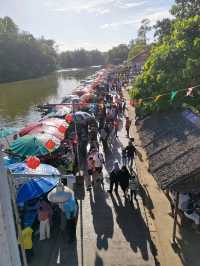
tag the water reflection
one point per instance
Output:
(18, 99)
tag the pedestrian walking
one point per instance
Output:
(114, 177)
(133, 186)
(124, 156)
(91, 170)
(44, 219)
(124, 177)
(98, 162)
(116, 126)
(71, 213)
(131, 151)
(104, 139)
(127, 125)
(124, 107)
(26, 241)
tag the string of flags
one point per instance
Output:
(173, 94)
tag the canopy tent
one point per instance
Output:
(28, 174)
(42, 169)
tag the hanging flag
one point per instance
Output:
(189, 92)
(173, 95)
(157, 98)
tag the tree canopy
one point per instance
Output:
(184, 9)
(21, 55)
(140, 43)
(81, 58)
(117, 54)
(174, 63)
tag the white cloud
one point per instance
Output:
(98, 7)
(128, 5)
(158, 15)
(120, 23)
(150, 13)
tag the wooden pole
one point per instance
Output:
(175, 219)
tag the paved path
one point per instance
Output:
(110, 231)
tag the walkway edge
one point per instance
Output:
(163, 257)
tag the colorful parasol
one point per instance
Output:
(29, 146)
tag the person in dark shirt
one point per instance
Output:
(124, 177)
(131, 151)
(114, 177)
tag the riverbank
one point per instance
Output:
(19, 99)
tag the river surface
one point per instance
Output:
(18, 100)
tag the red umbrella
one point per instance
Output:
(50, 130)
(41, 125)
(55, 122)
(28, 128)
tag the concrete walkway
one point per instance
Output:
(110, 231)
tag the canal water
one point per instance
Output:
(18, 100)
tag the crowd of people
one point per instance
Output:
(108, 116)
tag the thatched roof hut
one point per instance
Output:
(172, 143)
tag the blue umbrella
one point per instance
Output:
(35, 188)
(42, 169)
(10, 160)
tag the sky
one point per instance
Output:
(89, 24)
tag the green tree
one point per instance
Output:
(7, 26)
(183, 9)
(140, 43)
(21, 55)
(172, 65)
(118, 54)
(163, 29)
(81, 58)
(143, 30)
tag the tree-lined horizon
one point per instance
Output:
(22, 56)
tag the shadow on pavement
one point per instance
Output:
(98, 261)
(55, 251)
(188, 246)
(133, 228)
(102, 218)
(147, 201)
